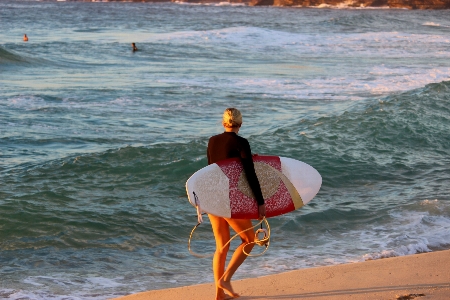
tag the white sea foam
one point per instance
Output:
(27, 102)
(400, 251)
(309, 80)
(36, 103)
(125, 101)
(407, 232)
(435, 24)
(372, 44)
(385, 80)
(91, 288)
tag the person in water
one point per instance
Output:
(134, 47)
(220, 147)
(25, 38)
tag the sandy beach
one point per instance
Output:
(419, 276)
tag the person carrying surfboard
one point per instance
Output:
(222, 146)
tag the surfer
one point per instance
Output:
(133, 45)
(220, 147)
(25, 38)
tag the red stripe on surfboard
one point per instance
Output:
(244, 207)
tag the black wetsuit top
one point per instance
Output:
(230, 145)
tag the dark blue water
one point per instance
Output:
(97, 142)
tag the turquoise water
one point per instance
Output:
(97, 142)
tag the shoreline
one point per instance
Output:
(420, 276)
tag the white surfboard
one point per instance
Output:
(222, 189)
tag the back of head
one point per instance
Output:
(232, 117)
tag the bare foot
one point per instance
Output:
(226, 286)
(222, 296)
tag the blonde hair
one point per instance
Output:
(232, 117)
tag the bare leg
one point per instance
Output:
(221, 232)
(239, 256)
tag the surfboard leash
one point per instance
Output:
(264, 241)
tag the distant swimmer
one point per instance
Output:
(25, 38)
(134, 47)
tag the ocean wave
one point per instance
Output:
(255, 37)
(129, 203)
(398, 140)
(10, 58)
(379, 81)
(417, 232)
(16, 58)
(385, 141)
(370, 234)
(309, 79)
(123, 104)
(98, 182)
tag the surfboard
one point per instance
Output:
(222, 188)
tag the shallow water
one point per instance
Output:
(97, 142)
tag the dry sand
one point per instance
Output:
(419, 276)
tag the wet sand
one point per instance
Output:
(420, 276)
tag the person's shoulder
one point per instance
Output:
(242, 139)
(215, 137)
(243, 142)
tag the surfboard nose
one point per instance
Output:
(305, 178)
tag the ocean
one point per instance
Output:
(97, 141)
